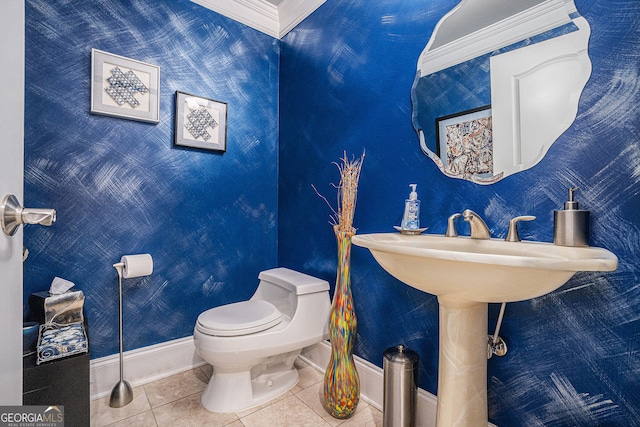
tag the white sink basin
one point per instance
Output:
(466, 274)
(482, 270)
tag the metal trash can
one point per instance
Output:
(400, 366)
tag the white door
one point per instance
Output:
(537, 88)
(11, 182)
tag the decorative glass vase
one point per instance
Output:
(341, 381)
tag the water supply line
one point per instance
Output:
(495, 344)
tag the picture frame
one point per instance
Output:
(465, 142)
(125, 88)
(200, 122)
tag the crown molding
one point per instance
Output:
(545, 16)
(273, 20)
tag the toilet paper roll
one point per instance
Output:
(136, 265)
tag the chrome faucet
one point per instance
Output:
(451, 225)
(479, 229)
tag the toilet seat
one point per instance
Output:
(240, 318)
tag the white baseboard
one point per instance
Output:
(148, 364)
(143, 365)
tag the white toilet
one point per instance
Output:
(252, 344)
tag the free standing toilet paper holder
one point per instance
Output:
(129, 266)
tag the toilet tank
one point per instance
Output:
(294, 281)
(282, 287)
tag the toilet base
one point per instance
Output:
(246, 392)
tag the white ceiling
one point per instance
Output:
(273, 17)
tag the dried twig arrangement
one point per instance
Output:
(342, 220)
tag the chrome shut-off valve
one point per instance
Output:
(12, 215)
(496, 346)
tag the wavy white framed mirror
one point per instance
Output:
(524, 60)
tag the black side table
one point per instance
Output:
(63, 382)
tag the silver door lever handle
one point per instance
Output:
(12, 215)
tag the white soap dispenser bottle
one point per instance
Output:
(411, 217)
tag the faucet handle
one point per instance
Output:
(451, 225)
(512, 234)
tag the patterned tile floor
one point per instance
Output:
(175, 401)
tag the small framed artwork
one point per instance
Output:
(123, 87)
(465, 142)
(200, 122)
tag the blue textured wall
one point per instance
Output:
(346, 76)
(120, 187)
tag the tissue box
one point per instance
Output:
(63, 309)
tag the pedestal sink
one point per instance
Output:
(466, 274)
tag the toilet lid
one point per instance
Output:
(240, 318)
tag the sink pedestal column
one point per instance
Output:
(462, 364)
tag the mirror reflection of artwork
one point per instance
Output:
(466, 143)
